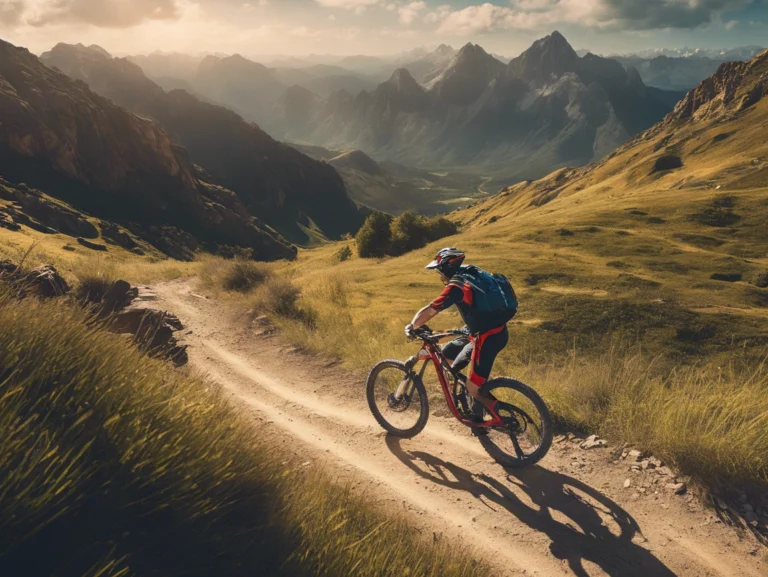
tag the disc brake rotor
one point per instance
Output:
(398, 406)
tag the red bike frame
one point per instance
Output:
(430, 351)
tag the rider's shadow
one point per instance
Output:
(585, 536)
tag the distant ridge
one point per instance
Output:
(546, 108)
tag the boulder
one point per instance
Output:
(92, 245)
(45, 281)
(153, 332)
(676, 488)
(119, 296)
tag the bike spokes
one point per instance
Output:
(396, 397)
(525, 434)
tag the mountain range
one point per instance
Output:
(682, 72)
(546, 108)
(296, 195)
(60, 140)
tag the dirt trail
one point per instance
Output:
(569, 516)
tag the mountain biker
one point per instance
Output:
(487, 330)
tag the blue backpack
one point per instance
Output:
(492, 293)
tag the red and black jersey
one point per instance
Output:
(460, 294)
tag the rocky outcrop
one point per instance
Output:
(63, 139)
(742, 84)
(44, 281)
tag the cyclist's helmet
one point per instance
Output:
(447, 261)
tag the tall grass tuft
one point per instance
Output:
(112, 463)
(244, 275)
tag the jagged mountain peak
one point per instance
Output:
(472, 53)
(93, 52)
(468, 76)
(402, 79)
(548, 56)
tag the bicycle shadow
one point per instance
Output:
(587, 537)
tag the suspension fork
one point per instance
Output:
(402, 388)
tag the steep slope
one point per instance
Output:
(431, 65)
(284, 188)
(59, 137)
(547, 108)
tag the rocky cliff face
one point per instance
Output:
(741, 84)
(279, 185)
(62, 138)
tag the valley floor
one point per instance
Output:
(571, 515)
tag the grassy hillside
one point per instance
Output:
(642, 283)
(114, 464)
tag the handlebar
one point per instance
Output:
(425, 334)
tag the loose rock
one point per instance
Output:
(676, 488)
(593, 442)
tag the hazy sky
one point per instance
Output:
(255, 27)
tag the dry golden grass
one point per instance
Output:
(116, 263)
(112, 463)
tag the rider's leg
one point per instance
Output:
(487, 347)
(455, 348)
(464, 357)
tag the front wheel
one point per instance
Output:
(405, 416)
(526, 435)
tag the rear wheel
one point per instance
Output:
(405, 417)
(526, 435)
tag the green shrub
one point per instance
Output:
(407, 232)
(344, 253)
(439, 227)
(244, 276)
(281, 297)
(374, 237)
(761, 279)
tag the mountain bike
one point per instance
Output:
(397, 397)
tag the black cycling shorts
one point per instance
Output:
(480, 351)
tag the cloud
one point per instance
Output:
(601, 14)
(653, 14)
(11, 11)
(410, 12)
(102, 13)
(356, 5)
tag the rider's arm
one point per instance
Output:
(423, 316)
(449, 297)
